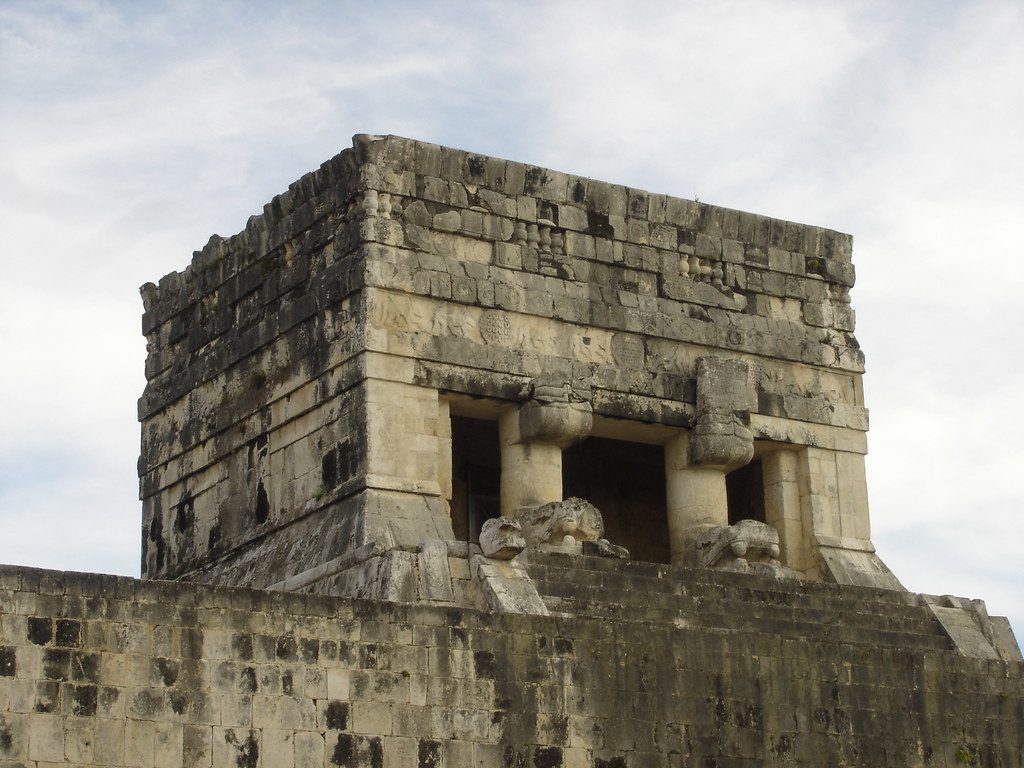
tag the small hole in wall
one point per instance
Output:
(184, 516)
(262, 504)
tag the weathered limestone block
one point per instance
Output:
(604, 548)
(506, 587)
(721, 436)
(846, 560)
(748, 546)
(501, 538)
(435, 574)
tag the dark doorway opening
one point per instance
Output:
(626, 481)
(476, 475)
(744, 488)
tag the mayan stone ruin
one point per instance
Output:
(452, 461)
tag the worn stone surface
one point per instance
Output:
(667, 668)
(501, 538)
(302, 373)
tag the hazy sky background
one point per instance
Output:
(130, 132)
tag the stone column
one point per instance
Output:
(533, 437)
(782, 508)
(696, 463)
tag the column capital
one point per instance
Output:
(721, 436)
(558, 412)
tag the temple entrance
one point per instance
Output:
(626, 481)
(744, 488)
(476, 475)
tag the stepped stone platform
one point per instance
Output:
(636, 666)
(726, 602)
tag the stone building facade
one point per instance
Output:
(413, 339)
(454, 461)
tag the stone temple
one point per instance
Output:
(454, 461)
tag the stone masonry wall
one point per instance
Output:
(252, 381)
(109, 671)
(495, 266)
(400, 270)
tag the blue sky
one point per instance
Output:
(131, 132)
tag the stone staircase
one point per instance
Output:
(734, 602)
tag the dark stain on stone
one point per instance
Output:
(191, 642)
(241, 645)
(329, 469)
(563, 646)
(8, 661)
(262, 510)
(168, 670)
(56, 664)
(376, 752)
(309, 650)
(258, 446)
(547, 757)
(83, 700)
(287, 684)
(213, 539)
(337, 715)
(47, 696)
(156, 535)
(560, 729)
(338, 465)
(109, 696)
(783, 745)
(612, 762)
(179, 701)
(475, 166)
(247, 680)
(85, 667)
(513, 758)
(483, 664)
(535, 179)
(6, 736)
(579, 192)
(248, 752)
(429, 754)
(328, 649)
(368, 656)
(40, 630)
(286, 648)
(344, 750)
(69, 633)
(749, 716)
